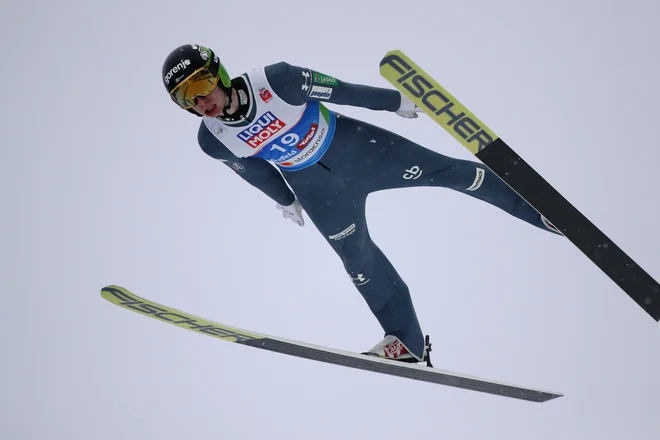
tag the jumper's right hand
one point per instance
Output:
(294, 212)
(408, 109)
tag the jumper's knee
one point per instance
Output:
(355, 260)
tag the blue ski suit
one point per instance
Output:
(360, 159)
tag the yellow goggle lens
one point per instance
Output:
(200, 83)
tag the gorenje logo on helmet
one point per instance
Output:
(181, 65)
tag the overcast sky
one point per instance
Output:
(103, 183)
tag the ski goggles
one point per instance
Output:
(200, 83)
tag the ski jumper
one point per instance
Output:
(285, 134)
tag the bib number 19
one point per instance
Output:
(289, 139)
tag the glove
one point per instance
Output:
(407, 109)
(294, 212)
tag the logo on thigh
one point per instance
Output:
(413, 173)
(360, 280)
(343, 234)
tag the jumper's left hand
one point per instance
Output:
(293, 212)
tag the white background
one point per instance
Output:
(103, 183)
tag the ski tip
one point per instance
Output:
(394, 53)
(114, 293)
(111, 288)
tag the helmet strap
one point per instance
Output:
(229, 99)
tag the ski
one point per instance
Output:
(493, 152)
(123, 298)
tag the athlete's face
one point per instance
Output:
(212, 105)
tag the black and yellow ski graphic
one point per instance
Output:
(490, 149)
(123, 298)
